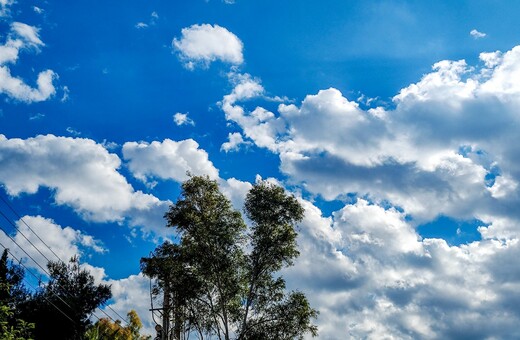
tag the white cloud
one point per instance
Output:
(4, 7)
(38, 9)
(444, 149)
(66, 94)
(491, 59)
(235, 190)
(151, 22)
(65, 242)
(260, 125)
(82, 175)
(167, 160)
(234, 141)
(182, 119)
(372, 276)
(130, 293)
(23, 36)
(412, 156)
(27, 33)
(200, 45)
(476, 34)
(17, 89)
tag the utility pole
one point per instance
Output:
(177, 318)
(166, 314)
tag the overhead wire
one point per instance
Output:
(48, 247)
(36, 276)
(23, 221)
(52, 292)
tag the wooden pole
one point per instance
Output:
(166, 314)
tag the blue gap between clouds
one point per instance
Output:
(454, 232)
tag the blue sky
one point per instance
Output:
(394, 122)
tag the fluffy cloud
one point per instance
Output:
(17, 89)
(234, 141)
(82, 174)
(23, 36)
(182, 119)
(35, 233)
(167, 160)
(372, 276)
(444, 149)
(130, 293)
(203, 44)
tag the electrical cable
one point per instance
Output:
(36, 276)
(25, 237)
(47, 273)
(21, 219)
(48, 247)
(53, 293)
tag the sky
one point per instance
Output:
(395, 123)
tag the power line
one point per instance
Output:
(19, 231)
(48, 247)
(21, 219)
(30, 272)
(52, 292)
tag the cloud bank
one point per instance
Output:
(445, 148)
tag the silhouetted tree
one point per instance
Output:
(62, 308)
(12, 294)
(221, 278)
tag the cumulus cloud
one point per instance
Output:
(23, 36)
(200, 45)
(432, 154)
(167, 160)
(35, 233)
(182, 119)
(130, 293)
(372, 276)
(82, 174)
(476, 34)
(443, 149)
(234, 141)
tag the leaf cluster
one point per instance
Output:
(222, 277)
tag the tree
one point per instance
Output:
(233, 289)
(12, 293)
(104, 328)
(268, 313)
(62, 308)
(11, 279)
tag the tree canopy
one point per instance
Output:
(104, 328)
(62, 308)
(222, 278)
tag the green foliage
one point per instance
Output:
(105, 329)
(20, 331)
(11, 279)
(61, 309)
(221, 278)
(12, 293)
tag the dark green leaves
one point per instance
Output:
(222, 280)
